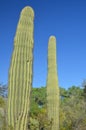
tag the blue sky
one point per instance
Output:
(63, 18)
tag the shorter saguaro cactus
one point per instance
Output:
(20, 73)
(52, 85)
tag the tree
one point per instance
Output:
(72, 110)
(84, 89)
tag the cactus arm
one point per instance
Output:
(20, 72)
(52, 85)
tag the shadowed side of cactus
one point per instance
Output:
(52, 85)
(20, 72)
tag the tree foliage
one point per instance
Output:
(72, 110)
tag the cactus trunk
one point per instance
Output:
(52, 85)
(20, 72)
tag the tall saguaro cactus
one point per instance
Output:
(20, 73)
(52, 85)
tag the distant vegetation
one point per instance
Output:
(72, 109)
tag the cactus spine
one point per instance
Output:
(52, 85)
(20, 73)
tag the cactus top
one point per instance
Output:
(52, 54)
(52, 46)
(27, 11)
(52, 39)
(24, 32)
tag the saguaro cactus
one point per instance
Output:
(20, 72)
(52, 85)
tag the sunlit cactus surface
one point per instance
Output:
(52, 85)
(20, 72)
